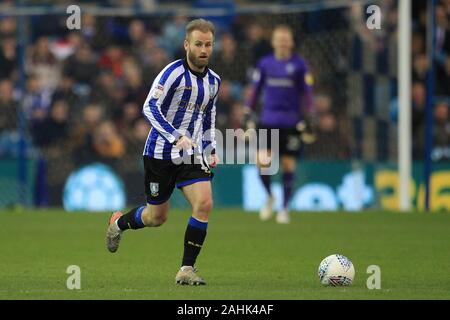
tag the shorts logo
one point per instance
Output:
(154, 189)
(157, 91)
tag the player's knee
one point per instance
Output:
(153, 219)
(264, 161)
(159, 220)
(204, 205)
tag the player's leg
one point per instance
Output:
(288, 164)
(264, 159)
(140, 217)
(194, 180)
(159, 185)
(290, 145)
(199, 196)
(137, 218)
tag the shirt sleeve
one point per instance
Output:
(152, 106)
(258, 78)
(306, 82)
(209, 124)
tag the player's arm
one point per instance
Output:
(258, 79)
(209, 132)
(308, 125)
(152, 106)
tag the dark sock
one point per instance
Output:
(288, 183)
(193, 241)
(266, 182)
(131, 220)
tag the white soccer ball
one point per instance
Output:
(336, 270)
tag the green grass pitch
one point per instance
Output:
(242, 258)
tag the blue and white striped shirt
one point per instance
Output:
(181, 102)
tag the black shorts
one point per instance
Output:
(162, 176)
(290, 142)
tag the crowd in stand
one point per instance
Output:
(83, 90)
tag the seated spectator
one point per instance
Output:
(229, 60)
(82, 66)
(330, 143)
(36, 101)
(9, 135)
(42, 63)
(8, 58)
(441, 132)
(54, 130)
(107, 142)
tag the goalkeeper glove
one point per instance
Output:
(249, 119)
(308, 129)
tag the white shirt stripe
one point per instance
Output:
(172, 120)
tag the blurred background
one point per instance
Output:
(72, 132)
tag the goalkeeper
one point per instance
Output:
(285, 82)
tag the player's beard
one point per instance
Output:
(197, 62)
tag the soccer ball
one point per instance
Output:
(336, 270)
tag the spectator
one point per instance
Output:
(229, 60)
(330, 143)
(107, 142)
(66, 91)
(111, 60)
(36, 101)
(82, 66)
(136, 34)
(257, 42)
(8, 119)
(225, 103)
(441, 132)
(83, 133)
(42, 63)
(53, 130)
(172, 36)
(418, 119)
(8, 58)
(8, 27)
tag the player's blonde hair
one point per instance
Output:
(201, 25)
(283, 27)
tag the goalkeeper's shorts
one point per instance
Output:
(289, 142)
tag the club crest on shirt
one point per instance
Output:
(154, 189)
(290, 68)
(157, 91)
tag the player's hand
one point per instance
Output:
(249, 119)
(213, 160)
(308, 129)
(185, 143)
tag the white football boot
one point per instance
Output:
(266, 211)
(283, 216)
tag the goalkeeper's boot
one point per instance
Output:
(188, 275)
(283, 216)
(266, 211)
(113, 234)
